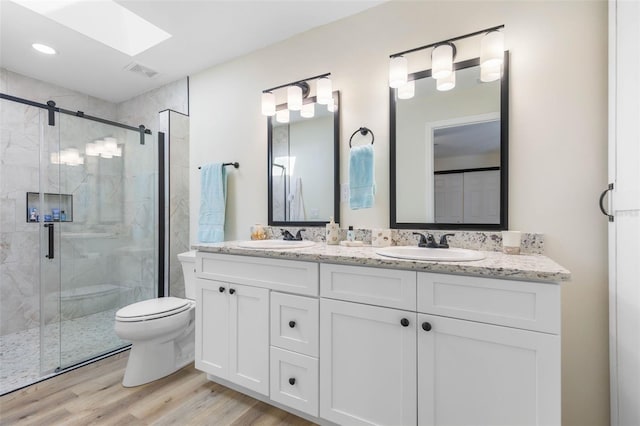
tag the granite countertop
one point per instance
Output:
(496, 264)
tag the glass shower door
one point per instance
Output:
(109, 235)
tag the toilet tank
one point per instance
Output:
(188, 261)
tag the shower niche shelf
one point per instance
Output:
(54, 208)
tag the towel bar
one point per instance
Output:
(235, 165)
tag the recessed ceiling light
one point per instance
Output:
(43, 48)
(105, 21)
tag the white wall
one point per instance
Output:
(558, 133)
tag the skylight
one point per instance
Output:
(102, 20)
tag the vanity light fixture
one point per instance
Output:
(324, 92)
(268, 104)
(397, 72)
(491, 55)
(445, 83)
(407, 90)
(296, 93)
(442, 60)
(294, 98)
(308, 110)
(443, 55)
(282, 116)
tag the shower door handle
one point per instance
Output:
(50, 226)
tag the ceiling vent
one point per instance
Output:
(141, 69)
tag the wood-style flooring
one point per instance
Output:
(94, 395)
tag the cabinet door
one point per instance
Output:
(249, 337)
(472, 373)
(367, 364)
(212, 327)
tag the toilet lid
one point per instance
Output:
(153, 308)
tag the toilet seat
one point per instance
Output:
(153, 309)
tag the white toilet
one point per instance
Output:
(161, 331)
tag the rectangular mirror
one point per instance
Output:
(449, 152)
(303, 165)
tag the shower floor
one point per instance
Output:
(83, 337)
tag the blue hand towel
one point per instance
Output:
(213, 197)
(362, 185)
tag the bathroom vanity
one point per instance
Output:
(343, 335)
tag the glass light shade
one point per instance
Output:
(407, 91)
(282, 116)
(442, 61)
(308, 110)
(490, 72)
(324, 91)
(268, 104)
(492, 49)
(91, 149)
(331, 107)
(446, 83)
(294, 98)
(397, 72)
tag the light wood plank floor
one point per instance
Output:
(93, 395)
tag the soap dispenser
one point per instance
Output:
(333, 232)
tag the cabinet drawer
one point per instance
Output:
(374, 286)
(294, 380)
(276, 274)
(531, 306)
(294, 323)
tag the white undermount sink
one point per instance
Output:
(275, 244)
(432, 254)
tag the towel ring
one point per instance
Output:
(363, 131)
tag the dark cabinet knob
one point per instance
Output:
(232, 290)
(292, 324)
(292, 381)
(426, 326)
(221, 289)
(404, 322)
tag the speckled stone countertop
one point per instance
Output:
(496, 264)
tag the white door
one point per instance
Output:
(367, 364)
(482, 196)
(471, 373)
(249, 337)
(448, 192)
(212, 327)
(624, 208)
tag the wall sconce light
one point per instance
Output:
(407, 91)
(491, 56)
(446, 83)
(294, 98)
(308, 110)
(397, 71)
(296, 93)
(442, 60)
(268, 104)
(324, 91)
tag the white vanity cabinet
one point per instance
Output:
(233, 333)
(468, 350)
(360, 345)
(488, 351)
(233, 317)
(367, 351)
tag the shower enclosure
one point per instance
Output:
(79, 235)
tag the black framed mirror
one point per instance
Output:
(303, 166)
(449, 152)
